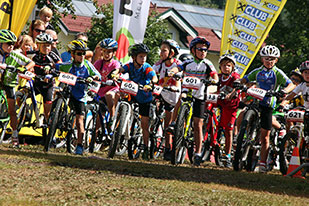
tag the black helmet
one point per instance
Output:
(137, 49)
(185, 57)
(296, 72)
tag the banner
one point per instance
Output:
(246, 24)
(130, 20)
(16, 20)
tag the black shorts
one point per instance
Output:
(144, 109)
(10, 92)
(46, 92)
(199, 108)
(266, 117)
(78, 106)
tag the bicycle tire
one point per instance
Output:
(156, 142)
(178, 138)
(72, 133)
(241, 149)
(4, 115)
(286, 149)
(54, 118)
(135, 141)
(90, 132)
(120, 121)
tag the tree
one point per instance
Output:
(156, 30)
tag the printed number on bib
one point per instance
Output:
(157, 90)
(257, 93)
(27, 75)
(94, 86)
(191, 82)
(295, 116)
(212, 98)
(129, 87)
(67, 78)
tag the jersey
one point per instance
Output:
(200, 69)
(162, 70)
(85, 70)
(104, 68)
(304, 90)
(268, 80)
(226, 85)
(141, 76)
(15, 59)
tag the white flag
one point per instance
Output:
(130, 20)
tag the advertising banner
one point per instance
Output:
(246, 25)
(130, 20)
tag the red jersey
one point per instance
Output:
(226, 85)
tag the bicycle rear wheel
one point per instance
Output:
(287, 146)
(4, 117)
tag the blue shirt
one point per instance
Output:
(66, 56)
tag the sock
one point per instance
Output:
(228, 155)
(15, 133)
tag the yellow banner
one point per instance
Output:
(21, 12)
(246, 25)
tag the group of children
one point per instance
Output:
(267, 77)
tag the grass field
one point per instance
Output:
(29, 176)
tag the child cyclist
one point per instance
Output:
(201, 68)
(141, 72)
(105, 66)
(268, 77)
(229, 105)
(169, 50)
(44, 59)
(80, 68)
(8, 57)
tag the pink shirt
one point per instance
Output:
(105, 68)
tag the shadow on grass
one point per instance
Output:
(250, 181)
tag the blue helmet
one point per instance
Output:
(199, 40)
(109, 43)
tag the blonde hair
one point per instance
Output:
(22, 40)
(34, 24)
(45, 10)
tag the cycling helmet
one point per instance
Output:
(185, 57)
(296, 72)
(77, 45)
(198, 40)
(270, 51)
(173, 45)
(227, 56)
(304, 66)
(109, 43)
(7, 36)
(44, 38)
(137, 49)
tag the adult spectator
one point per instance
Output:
(54, 35)
(37, 27)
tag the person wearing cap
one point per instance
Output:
(230, 103)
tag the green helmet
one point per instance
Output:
(7, 36)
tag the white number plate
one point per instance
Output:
(257, 93)
(190, 82)
(212, 98)
(67, 78)
(94, 86)
(157, 90)
(27, 75)
(129, 87)
(295, 116)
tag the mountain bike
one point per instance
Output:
(4, 115)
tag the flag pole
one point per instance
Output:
(11, 14)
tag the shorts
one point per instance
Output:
(46, 92)
(78, 106)
(228, 117)
(266, 117)
(10, 92)
(198, 108)
(144, 109)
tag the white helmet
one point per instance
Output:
(227, 56)
(270, 51)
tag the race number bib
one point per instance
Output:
(257, 93)
(295, 116)
(67, 78)
(129, 87)
(157, 90)
(190, 82)
(27, 75)
(212, 98)
(94, 86)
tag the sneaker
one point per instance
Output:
(262, 168)
(197, 160)
(227, 161)
(171, 128)
(79, 150)
(167, 154)
(145, 155)
(15, 140)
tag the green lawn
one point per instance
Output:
(32, 177)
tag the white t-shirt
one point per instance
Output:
(304, 90)
(162, 69)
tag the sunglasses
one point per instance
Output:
(55, 40)
(296, 80)
(10, 43)
(39, 30)
(270, 58)
(80, 53)
(202, 49)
